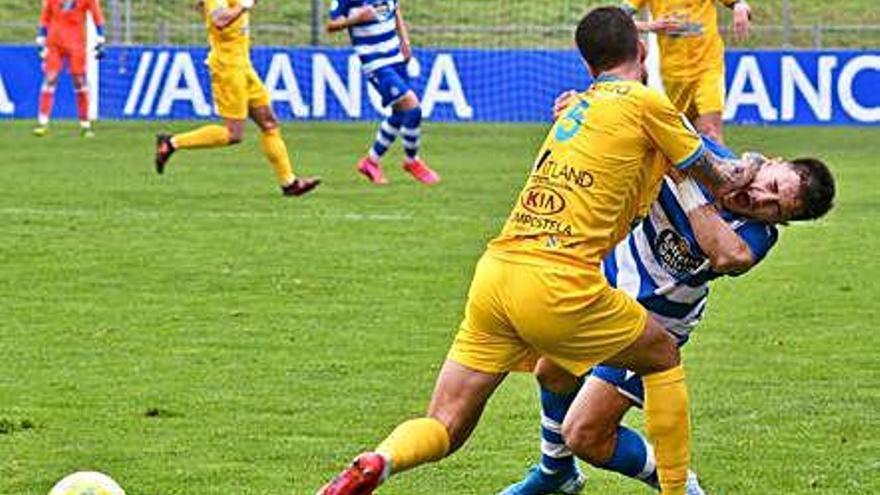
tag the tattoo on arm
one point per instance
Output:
(717, 172)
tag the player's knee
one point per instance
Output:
(408, 102)
(236, 133)
(591, 441)
(265, 118)
(269, 125)
(554, 378)
(663, 355)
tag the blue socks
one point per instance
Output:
(387, 133)
(555, 456)
(406, 122)
(633, 456)
(412, 121)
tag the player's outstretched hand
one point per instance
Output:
(247, 4)
(562, 101)
(742, 21)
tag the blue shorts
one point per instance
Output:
(391, 81)
(628, 383)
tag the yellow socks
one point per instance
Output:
(276, 152)
(415, 442)
(209, 136)
(667, 421)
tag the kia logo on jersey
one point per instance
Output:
(542, 200)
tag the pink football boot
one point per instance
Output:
(360, 478)
(372, 170)
(421, 172)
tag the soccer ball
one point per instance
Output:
(87, 483)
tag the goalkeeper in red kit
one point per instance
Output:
(62, 39)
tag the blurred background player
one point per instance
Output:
(692, 54)
(62, 38)
(238, 93)
(379, 36)
(667, 263)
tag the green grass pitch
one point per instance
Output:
(198, 334)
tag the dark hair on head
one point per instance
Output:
(607, 37)
(817, 188)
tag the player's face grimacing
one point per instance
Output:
(773, 196)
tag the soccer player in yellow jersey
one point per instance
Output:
(538, 289)
(238, 93)
(692, 54)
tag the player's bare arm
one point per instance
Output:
(724, 248)
(723, 175)
(355, 17)
(403, 33)
(664, 24)
(742, 19)
(223, 17)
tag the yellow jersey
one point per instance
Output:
(594, 174)
(230, 46)
(697, 47)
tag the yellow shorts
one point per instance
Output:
(236, 90)
(699, 96)
(517, 312)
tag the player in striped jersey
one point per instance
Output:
(666, 263)
(380, 39)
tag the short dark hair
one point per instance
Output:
(817, 188)
(606, 38)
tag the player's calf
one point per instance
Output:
(46, 102)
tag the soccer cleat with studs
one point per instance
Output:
(360, 478)
(164, 150)
(300, 186)
(372, 170)
(421, 172)
(537, 482)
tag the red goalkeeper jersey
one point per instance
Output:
(65, 20)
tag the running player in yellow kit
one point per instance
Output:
(538, 289)
(692, 54)
(238, 93)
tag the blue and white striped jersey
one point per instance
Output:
(661, 265)
(375, 42)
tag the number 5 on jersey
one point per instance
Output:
(570, 123)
